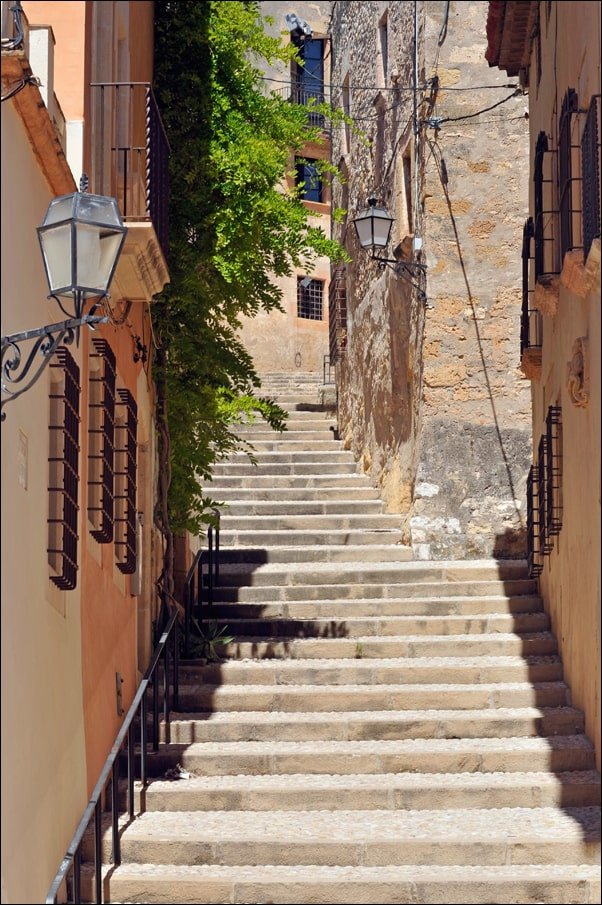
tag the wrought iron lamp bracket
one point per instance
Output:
(16, 371)
(407, 270)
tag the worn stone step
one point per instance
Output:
(319, 480)
(444, 837)
(370, 698)
(419, 577)
(514, 884)
(313, 553)
(282, 456)
(317, 524)
(377, 607)
(501, 644)
(358, 626)
(315, 444)
(285, 537)
(462, 670)
(284, 496)
(247, 470)
(556, 753)
(233, 726)
(407, 791)
(287, 509)
(304, 430)
(230, 590)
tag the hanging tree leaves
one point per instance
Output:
(234, 227)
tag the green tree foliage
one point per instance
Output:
(234, 227)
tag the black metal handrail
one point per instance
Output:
(69, 873)
(131, 153)
(200, 582)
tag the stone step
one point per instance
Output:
(315, 444)
(315, 481)
(295, 508)
(506, 578)
(232, 589)
(320, 523)
(357, 792)
(370, 838)
(301, 431)
(314, 553)
(557, 754)
(308, 537)
(372, 698)
(400, 625)
(240, 468)
(461, 670)
(237, 726)
(301, 456)
(340, 885)
(500, 644)
(502, 607)
(285, 496)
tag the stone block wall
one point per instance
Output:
(432, 400)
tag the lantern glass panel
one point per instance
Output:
(56, 251)
(97, 250)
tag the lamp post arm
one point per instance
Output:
(47, 340)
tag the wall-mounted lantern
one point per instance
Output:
(81, 239)
(373, 227)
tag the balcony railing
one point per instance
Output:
(531, 329)
(130, 153)
(299, 93)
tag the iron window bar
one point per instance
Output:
(545, 543)
(553, 471)
(544, 217)
(534, 558)
(101, 453)
(126, 457)
(64, 471)
(566, 177)
(337, 314)
(590, 175)
(310, 299)
(531, 323)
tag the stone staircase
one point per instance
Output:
(382, 730)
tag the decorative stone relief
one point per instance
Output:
(546, 294)
(577, 373)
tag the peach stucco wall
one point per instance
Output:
(570, 581)
(67, 19)
(43, 758)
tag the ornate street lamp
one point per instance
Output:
(81, 239)
(373, 227)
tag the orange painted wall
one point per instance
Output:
(67, 18)
(109, 612)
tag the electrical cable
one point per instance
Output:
(20, 85)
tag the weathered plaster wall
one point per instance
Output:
(431, 397)
(571, 577)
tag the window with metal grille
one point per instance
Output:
(553, 475)
(101, 441)
(567, 206)
(337, 314)
(307, 179)
(530, 322)
(310, 299)
(126, 426)
(63, 459)
(534, 556)
(544, 541)
(544, 212)
(590, 175)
